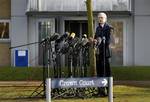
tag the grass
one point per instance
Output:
(137, 73)
(20, 74)
(122, 94)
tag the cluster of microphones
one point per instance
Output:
(75, 49)
(67, 41)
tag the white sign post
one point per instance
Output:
(110, 86)
(48, 90)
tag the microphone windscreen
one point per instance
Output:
(54, 37)
(72, 35)
(62, 37)
(84, 41)
(104, 38)
(84, 36)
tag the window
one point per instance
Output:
(117, 50)
(4, 30)
(79, 27)
(46, 28)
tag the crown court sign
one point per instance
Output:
(79, 83)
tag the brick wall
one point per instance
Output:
(5, 9)
(4, 54)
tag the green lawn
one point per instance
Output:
(136, 73)
(122, 93)
(119, 73)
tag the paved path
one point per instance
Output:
(133, 83)
(37, 83)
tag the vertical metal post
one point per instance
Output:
(104, 56)
(44, 66)
(48, 63)
(71, 66)
(110, 87)
(48, 90)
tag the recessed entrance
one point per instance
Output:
(79, 27)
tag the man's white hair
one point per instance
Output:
(102, 14)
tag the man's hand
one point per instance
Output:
(92, 41)
(99, 40)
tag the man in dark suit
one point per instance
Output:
(103, 39)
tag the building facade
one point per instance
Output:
(31, 21)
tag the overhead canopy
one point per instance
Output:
(77, 5)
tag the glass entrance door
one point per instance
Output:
(46, 27)
(79, 27)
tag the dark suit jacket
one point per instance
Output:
(104, 32)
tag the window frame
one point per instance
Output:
(125, 52)
(6, 39)
(37, 30)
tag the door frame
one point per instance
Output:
(125, 50)
(69, 18)
(37, 31)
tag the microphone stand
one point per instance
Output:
(70, 61)
(85, 60)
(45, 73)
(104, 54)
(53, 56)
(24, 45)
(44, 69)
(44, 66)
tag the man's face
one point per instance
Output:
(102, 19)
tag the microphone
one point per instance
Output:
(71, 36)
(44, 40)
(84, 36)
(63, 37)
(50, 38)
(73, 42)
(54, 37)
(99, 39)
(84, 40)
(104, 39)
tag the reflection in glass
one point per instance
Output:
(117, 49)
(4, 30)
(45, 30)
